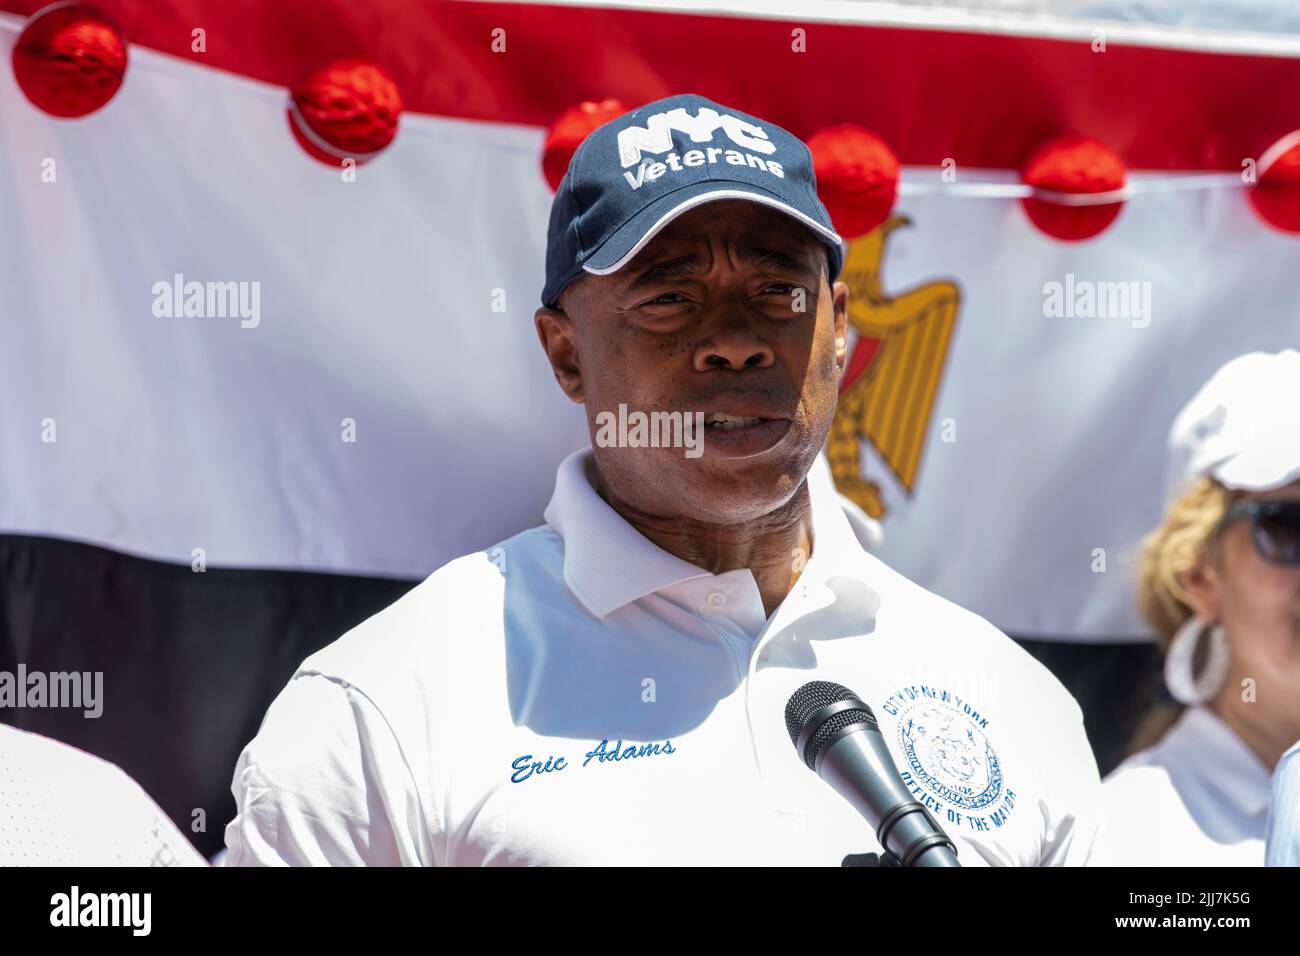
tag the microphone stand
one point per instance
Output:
(871, 859)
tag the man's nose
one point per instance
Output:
(733, 344)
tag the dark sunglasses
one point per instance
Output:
(1274, 527)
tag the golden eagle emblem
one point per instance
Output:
(889, 385)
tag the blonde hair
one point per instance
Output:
(1185, 538)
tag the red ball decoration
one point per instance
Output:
(346, 110)
(857, 177)
(568, 132)
(1276, 193)
(69, 60)
(1073, 164)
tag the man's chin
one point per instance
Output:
(727, 490)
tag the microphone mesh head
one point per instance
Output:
(809, 699)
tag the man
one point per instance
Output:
(610, 687)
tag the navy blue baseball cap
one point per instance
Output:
(635, 174)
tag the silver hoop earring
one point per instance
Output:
(1180, 660)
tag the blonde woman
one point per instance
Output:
(1220, 585)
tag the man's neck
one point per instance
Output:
(774, 547)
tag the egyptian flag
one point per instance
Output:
(266, 326)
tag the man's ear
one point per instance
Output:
(840, 311)
(560, 342)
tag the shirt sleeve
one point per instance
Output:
(324, 783)
(1282, 844)
(1076, 820)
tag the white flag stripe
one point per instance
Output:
(1060, 422)
(376, 300)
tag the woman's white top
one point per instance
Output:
(1198, 797)
(1283, 843)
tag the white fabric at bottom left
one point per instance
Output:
(60, 806)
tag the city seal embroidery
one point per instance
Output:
(949, 763)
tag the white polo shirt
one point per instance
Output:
(576, 695)
(1282, 843)
(1198, 797)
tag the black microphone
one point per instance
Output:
(837, 736)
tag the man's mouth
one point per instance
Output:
(722, 421)
(736, 435)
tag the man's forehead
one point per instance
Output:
(744, 224)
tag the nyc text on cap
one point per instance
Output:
(635, 174)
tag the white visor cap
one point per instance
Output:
(1242, 428)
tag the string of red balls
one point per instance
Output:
(70, 60)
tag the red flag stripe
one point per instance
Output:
(982, 99)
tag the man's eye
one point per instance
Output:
(781, 288)
(667, 298)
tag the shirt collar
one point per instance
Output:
(1226, 763)
(608, 563)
